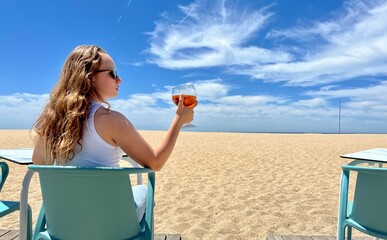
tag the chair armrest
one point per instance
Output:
(357, 163)
(357, 167)
(134, 164)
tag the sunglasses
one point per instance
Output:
(113, 72)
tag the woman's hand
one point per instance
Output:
(185, 114)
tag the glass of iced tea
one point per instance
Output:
(189, 92)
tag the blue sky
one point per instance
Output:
(258, 66)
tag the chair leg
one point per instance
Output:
(40, 225)
(343, 201)
(29, 225)
(341, 232)
(349, 233)
(25, 228)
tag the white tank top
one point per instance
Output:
(95, 151)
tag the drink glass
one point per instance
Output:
(189, 92)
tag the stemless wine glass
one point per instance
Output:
(189, 92)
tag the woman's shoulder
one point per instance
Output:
(105, 112)
(109, 124)
(105, 115)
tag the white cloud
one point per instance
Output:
(376, 92)
(350, 46)
(218, 110)
(311, 103)
(20, 110)
(211, 33)
(362, 103)
(219, 33)
(210, 90)
(317, 112)
(239, 100)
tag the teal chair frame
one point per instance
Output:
(368, 210)
(6, 207)
(87, 203)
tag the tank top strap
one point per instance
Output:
(93, 108)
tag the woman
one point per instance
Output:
(77, 129)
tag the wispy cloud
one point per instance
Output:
(346, 47)
(211, 33)
(375, 92)
(218, 33)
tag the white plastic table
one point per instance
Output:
(373, 154)
(17, 155)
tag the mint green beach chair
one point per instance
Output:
(368, 210)
(87, 203)
(6, 207)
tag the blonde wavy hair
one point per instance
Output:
(60, 126)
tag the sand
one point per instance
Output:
(234, 185)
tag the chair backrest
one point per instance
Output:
(370, 201)
(88, 203)
(4, 173)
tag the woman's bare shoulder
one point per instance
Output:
(105, 115)
(105, 112)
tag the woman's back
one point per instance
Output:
(95, 151)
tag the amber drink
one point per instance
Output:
(189, 92)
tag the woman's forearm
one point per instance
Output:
(166, 145)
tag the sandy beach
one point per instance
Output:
(233, 185)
